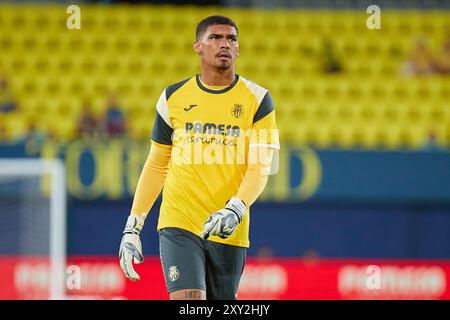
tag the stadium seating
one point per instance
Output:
(135, 51)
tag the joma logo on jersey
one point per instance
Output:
(212, 128)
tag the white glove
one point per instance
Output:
(131, 247)
(222, 223)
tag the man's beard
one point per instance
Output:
(224, 66)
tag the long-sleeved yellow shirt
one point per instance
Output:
(203, 151)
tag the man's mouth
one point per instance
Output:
(224, 55)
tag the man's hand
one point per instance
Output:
(131, 247)
(222, 223)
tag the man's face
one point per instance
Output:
(218, 46)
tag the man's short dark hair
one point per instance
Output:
(212, 20)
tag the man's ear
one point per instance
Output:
(197, 47)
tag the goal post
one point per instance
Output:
(14, 170)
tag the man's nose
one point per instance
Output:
(224, 44)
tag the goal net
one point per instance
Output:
(32, 229)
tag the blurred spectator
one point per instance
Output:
(265, 253)
(114, 120)
(34, 134)
(34, 138)
(442, 61)
(3, 133)
(431, 143)
(87, 123)
(311, 257)
(420, 61)
(330, 62)
(7, 103)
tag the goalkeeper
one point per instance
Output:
(204, 127)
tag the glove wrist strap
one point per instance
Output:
(237, 206)
(134, 224)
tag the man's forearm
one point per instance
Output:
(255, 179)
(151, 179)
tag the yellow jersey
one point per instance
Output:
(210, 132)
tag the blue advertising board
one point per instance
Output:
(110, 170)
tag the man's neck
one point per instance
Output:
(216, 77)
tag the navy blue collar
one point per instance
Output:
(201, 86)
